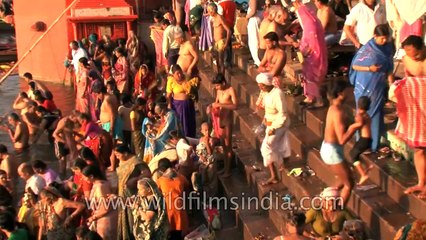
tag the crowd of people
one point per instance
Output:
(138, 122)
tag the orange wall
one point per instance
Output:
(46, 60)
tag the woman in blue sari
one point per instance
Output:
(157, 131)
(371, 68)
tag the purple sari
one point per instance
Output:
(185, 111)
(206, 38)
(314, 50)
(373, 84)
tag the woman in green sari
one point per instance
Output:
(129, 171)
(149, 213)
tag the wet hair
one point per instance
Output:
(7, 221)
(334, 88)
(382, 30)
(122, 148)
(48, 95)
(39, 96)
(213, 6)
(14, 116)
(165, 22)
(80, 164)
(126, 98)
(87, 154)
(272, 36)
(364, 103)
(3, 149)
(41, 109)
(28, 75)
(176, 68)
(32, 85)
(23, 95)
(158, 16)
(219, 79)
(84, 116)
(38, 164)
(414, 41)
(94, 171)
(164, 164)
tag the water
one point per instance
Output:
(62, 95)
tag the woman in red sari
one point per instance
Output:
(121, 71)
(145, 83)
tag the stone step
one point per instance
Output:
(374, 206)
(393, 178)
(252, 220)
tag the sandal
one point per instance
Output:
(295, 172)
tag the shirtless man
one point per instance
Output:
(221, 36)
(18, 133)
(328, 21)
(415, 66)
(107, 117)
(22, 103)
(31, 118)
(415, 59)
(188, 56)
(226, 102)
(332, 146)
(63, 137)
(266, 27)
(275, 58)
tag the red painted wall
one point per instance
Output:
(45, 61)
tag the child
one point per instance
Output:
(240, 28)
(362, 123)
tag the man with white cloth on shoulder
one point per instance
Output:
(275, 146)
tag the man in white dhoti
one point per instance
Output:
(275, 146)
(254, 16)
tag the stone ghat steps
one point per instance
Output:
(245, 220)
(390, 176)
(303, 139)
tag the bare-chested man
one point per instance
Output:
(188, 56)
(267, 25)
(31, 119)
(415, 59)
(332, 146)
(108, 116)
(64, 141)
(18, 132)
(275, 58)
(221, 36)
(222, 111)
(415, 66)
(328, 21)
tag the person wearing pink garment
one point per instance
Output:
(314, 50)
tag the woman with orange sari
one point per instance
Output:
(145, 84)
